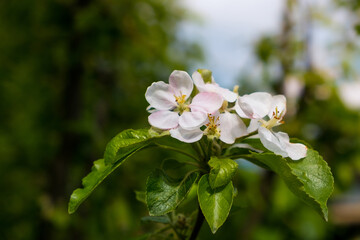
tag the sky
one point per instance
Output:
(229, 28)
(227, 31)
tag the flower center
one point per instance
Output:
(276, 119)
(212, 130)
(181, 101)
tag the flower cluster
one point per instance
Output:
(189, 113)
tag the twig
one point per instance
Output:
(199, 222)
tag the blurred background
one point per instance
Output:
(73, 74)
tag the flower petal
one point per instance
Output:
(255, 105)
(206, 102)
(280, 144)
(231, 127)
(239, 110)
(213, 87)
(295, 151)
(188, 136)
(253, 125)
(271, 141)
(198, 81)
(181, 83)
(160, 96)
(191, 120)
(278, 103)
(164, 119)
(227, 94)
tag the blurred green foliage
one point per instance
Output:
(73, 74)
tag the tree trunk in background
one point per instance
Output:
(70, 107)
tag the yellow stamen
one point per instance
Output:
(182, 106)
(212, 130)
(274, 121)
(180, 99)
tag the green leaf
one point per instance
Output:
(157, 219)
(127, 142)
(310, 178)
(222, 171)
(98, 173)
(215, 203)
(118, 149)
(172, 164)
(164, 194)
(255, 143)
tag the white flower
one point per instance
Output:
(224, 126)
(211, 86)
(258, 105)
(172, 109)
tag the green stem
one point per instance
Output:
(192, 164)
(201, 149)
(240, 156)
(239, 140)
(178, 150)
(209, 148)
(199, 222)
(197, 150)
(218, 148)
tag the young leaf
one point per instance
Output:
(255, 143)
(310, 178)
(222, 171)
(215, 203)
(127, 142)
(98, 173)
(118, 149)
(164, 194)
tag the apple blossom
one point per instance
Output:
(259, 105)
(224, 126)
(172, 108)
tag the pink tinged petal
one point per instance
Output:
(271, 141)
(181, 83)
(206, 102)
(160, 96)
(231, 127)
(164, 119)
(213, 87)
(253, 125)
(188, 136)
(295, 151)
(191, 120)
(255, 105)
(227, 94)
(278, 103)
